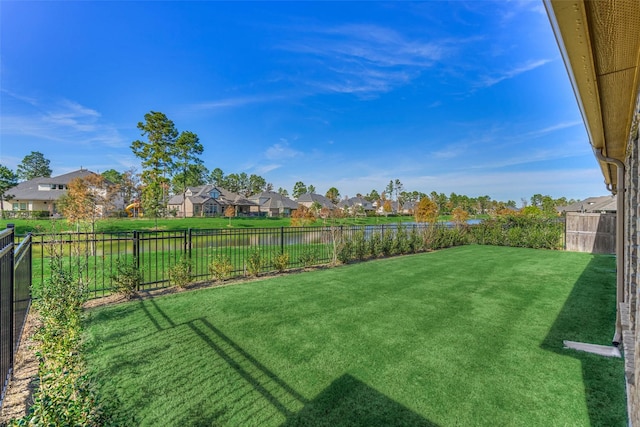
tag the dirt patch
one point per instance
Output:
(24, 381)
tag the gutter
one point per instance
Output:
(617, 338)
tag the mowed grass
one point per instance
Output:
(468, 336)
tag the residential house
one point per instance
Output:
(272, 204)
(208, 200)
(308, 200)
(395, 208)
(39, 196)
(602, 204)
(356, 205)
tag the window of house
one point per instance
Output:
(19, 206)
(214, 194)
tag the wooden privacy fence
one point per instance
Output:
(591, 232)
(15, 298)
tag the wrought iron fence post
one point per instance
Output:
(12, 284)
(188, 243)
(136, 249)
(281, 240)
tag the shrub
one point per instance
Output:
(375, 244)
(519, 230)
(64, 396)
(386, 244)
(254, 263)
(360, 250)
(127, 278)
(220, 267)
(180, 273)
(345, 251)
(400, 243)
(281, 261)
(308, 257)
(415, 241)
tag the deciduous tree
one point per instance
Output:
(230, 212)
(87, 199)
(426, 211)
(460, 216)
(302, 216)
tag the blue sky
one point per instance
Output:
(464, 97)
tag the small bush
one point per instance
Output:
(400, 244)
(360, 247)
(386, 244)
(180, 273)
(308, 257)
(127, 278)
(254, 263)
(64, 396)
(345, 251)
(375, 245)
(281, 261)
(416, 243)
(220, 267)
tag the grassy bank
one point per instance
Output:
(464, 336)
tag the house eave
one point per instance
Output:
(600, 45)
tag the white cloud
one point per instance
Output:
(240, 101)
(263, 169)
(364, 60)
(63, 121)
(553, 128)
(509, 74)
(280, 151)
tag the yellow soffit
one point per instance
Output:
(600, 44)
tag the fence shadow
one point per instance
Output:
(588, 315)
(350, 402)
(345, 402)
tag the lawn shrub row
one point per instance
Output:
(401, 241)
(519, 231)
(64, 395)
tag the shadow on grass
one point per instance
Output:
(350, 402)
(588, 315)
(346, 402)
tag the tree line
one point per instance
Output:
(171, 162)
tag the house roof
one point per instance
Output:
(316, 198)
(592, 204)
(600, 45)
(200, 195)
(273, 200)
(29, 190)
(356, 201)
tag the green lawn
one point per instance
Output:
(459, 337)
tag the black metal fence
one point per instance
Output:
(95, 256)
(15, 298)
